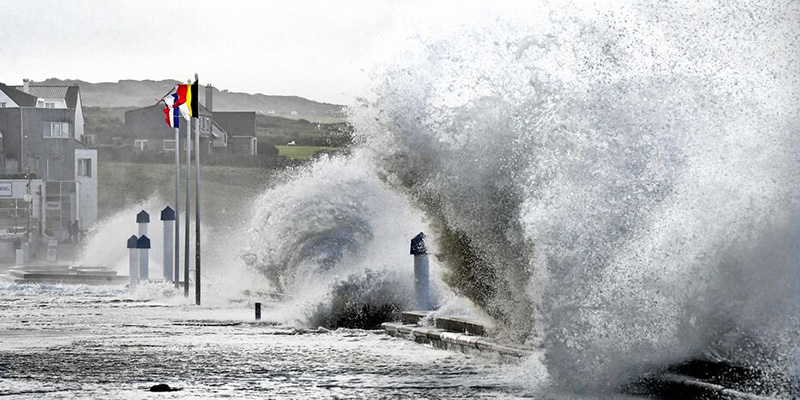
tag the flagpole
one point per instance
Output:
(188, 206)
(197, 204)
(177, 211)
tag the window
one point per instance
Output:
(169, 145)
(33, 163)
(49, 105)
(2, 104)
(85, 167)
(56, 130)
(140, 145)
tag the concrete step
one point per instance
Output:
(42, 267)
(450, 340)
(68, 279)
(63, 274)
(453, 324)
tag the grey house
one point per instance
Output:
(220, 132)
(43, 156)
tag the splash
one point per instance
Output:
(332, 236)
(106, 241)
(616, 184)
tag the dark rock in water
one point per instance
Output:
(162, 387)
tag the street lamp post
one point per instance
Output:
(29, 200)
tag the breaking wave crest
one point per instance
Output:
(615, 184)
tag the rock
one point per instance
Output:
(162, 387)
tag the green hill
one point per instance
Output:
(140, 93)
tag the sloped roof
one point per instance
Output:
(72, 96)
(21, 98)
(216, 125)
(147, 113)
(47, 92)
(237, 123)
(68, 93)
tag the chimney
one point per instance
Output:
(25, 85)
(210, 98)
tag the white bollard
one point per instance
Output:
(143, 244)
(142, 218)
(133, 262)
(421, 272)
(168, 220)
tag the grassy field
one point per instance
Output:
(301, 152)
(226, 189)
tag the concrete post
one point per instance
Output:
(421, 272)
(143, 244)
(133, 262)
(258, 311)
(168, 220)
(142, 218)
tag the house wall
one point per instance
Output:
(87, 188)
(237, 123)
(10, 126)
(8, 200)
(57, 103)
(148, 123)
(244, 145)
(52, 158)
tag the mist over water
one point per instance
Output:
(614, 184)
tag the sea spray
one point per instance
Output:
(334, 240)
(105, 242)
(616, 183)
(226, 275)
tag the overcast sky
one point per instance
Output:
(323, 50)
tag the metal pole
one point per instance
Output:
(29, 207)
(177, 264)
(197, 213)
(29, 201)
(188, 207)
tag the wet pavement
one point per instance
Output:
(79, 342)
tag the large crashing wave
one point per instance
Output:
(331, 228)
(638, 165)
(617, 184)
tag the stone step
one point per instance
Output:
(444, 339)
(64, 274)
(454, 324)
